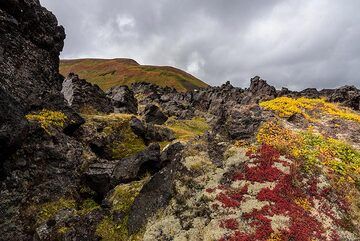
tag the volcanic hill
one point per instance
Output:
(107, 73)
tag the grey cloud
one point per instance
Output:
(291, 43)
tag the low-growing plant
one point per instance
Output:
(48, 119)
(286, 107)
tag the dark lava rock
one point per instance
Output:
(260, 87)
(149, 132)
(155, 195)
(138, 127)
(30, 44)
(123, 100)
(132, 168)
(347, 95)
(171, 152)
(98, 176)
(243, 121)
(310, 93)
(83, 96)
(13, 125)
(44, 169)
(75, 226)
(154, 115)
(37, 166)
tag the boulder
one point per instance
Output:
(243, 121)
(132, 168)
(154, 115)
(171, 152)
(123, 100)
(260, 87)
(98, 177)
(85, 97)
(155, 194)
(347, 95)
(149, 132)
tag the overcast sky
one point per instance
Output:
(292, 43)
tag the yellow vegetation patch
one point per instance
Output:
(304, 203)
(312, 149)
(286, 107)
(48, 118)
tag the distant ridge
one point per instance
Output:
(121, 71)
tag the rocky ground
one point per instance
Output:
(150, 163)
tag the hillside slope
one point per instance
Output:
(112, 72)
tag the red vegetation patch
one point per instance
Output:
(227, 201)
(229, 224)
(302, 225)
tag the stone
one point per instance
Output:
(85, 97)
(154, 115)
(98, 176)
(123, 100)
(132, 168)
(243, 121)
(260, 87)
(155, 194)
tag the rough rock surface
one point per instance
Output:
(149, 132)
(83, 96)
(155, 195)
(131, 168)
(123, 100)
(347, 95)
(153, 114)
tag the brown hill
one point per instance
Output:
(111, 72)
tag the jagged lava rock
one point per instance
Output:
(123, 100)
(347, 95)
(153, 114)
(131, 168)
(149, 132)
(83, 96)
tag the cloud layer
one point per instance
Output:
(290, 43)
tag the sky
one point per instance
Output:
(291, 43)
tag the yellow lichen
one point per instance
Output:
(48, 118)
(275, 237)
(124, 195)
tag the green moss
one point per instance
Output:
(109, 230)
(187, 129)
(63, 230)
(48, 118)
(124, 195)
(125, 142)
(87, 206)
(49, 210)
(121, 199)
